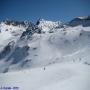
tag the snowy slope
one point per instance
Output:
(24, 47)
(54, 77)
(45, 56)
(9, 33)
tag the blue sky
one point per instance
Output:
(63, 10)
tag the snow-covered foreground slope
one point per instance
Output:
(45, 56)
(71, 76)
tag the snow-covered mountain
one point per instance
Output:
(84, 21)
(45, 25)
(52, 50)
(23, 44)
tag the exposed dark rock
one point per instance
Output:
(84, 21)
(7, 49)
(18, 55)
(14, 23)
(31, 29)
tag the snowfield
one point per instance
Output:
(45, 56)
(55, 77)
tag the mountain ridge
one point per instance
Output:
(23, 44)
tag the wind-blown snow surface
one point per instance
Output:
(45, 56)
(54, 77)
